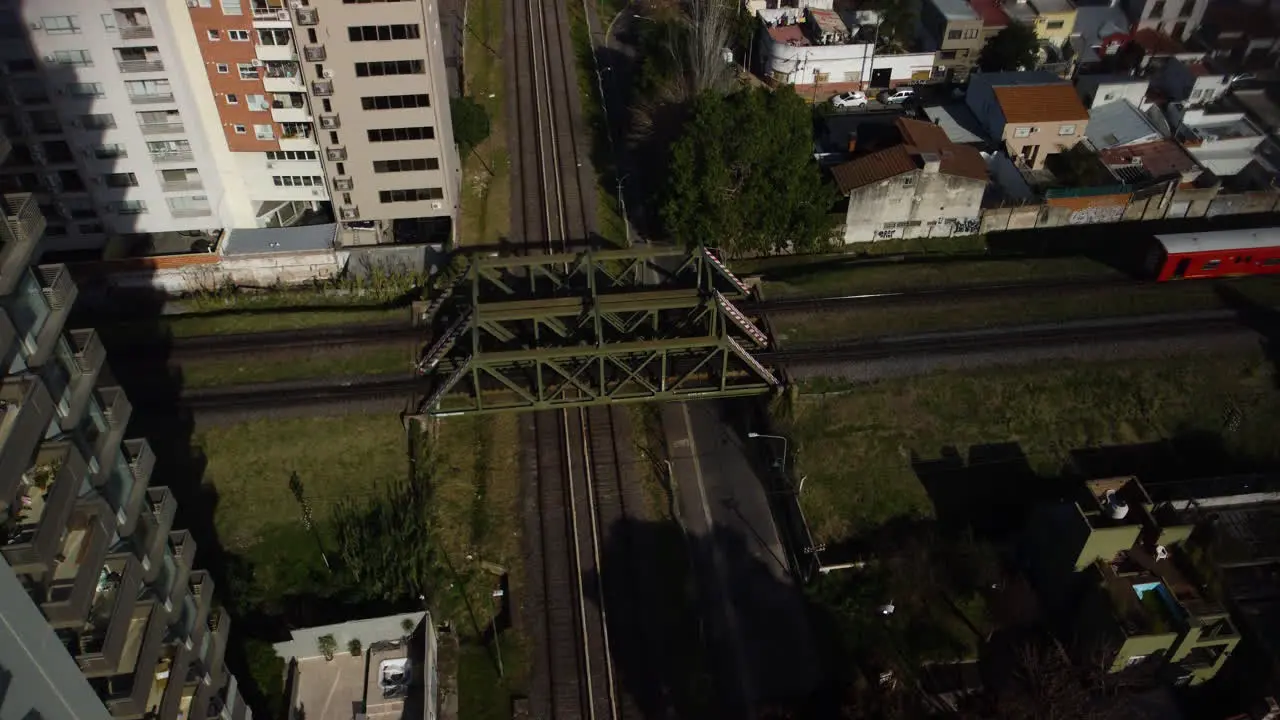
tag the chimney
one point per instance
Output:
(931, 163)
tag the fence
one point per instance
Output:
(1169, 204)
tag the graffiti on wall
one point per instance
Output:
(965, 226)
(1097, 214)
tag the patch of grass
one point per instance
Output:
(482, 693)
(196, 324)
(840, 276)
(340, 362)
(976, 312)
(486, 172)
(608, 210)
(250, 464)
(857, 444)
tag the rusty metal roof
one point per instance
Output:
(1057, 102)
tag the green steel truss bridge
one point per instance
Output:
(589, 328)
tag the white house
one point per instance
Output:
(1095, 90)
(814, 47)
(1224, 143)
(1192, 83)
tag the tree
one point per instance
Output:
(743, 177)
(470, 123)
(1013, 48)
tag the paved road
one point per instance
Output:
(754, 614)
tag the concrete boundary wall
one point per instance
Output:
(1193, 203)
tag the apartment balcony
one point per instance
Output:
(59, 292)
(89, 356)
(69, 589)
(26, 409)
(190, 212)
(153, 530)
(290, 112)
(349, 213)
(151, 99)
(128, 695)
(282, 77)
(142, 66)
(314, 53)
(50, 487)
(183, 548)
(126, 485)
(118, 617)
(330, 122)
(135, 32)
(275, 52)
(116, 410)
(344, 183)
(307, 16)
(219, 631)
(271, 17)
(300, 141)
(162, 128)
(335, 154)
(23, 226)
(172, 156)
(182, 185)
(322, 88)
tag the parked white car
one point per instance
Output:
(851, 99)
(393, 677)
(898, 96)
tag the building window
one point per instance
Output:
(408, 165)
(971, 34)
(947, 55)
(100, 121)
(60, 24)
(120, 180)
(410, 195)
(214, 36)
(223, 68)
(395, 102)
(369, 33)
(390, 67)
(247, 71)
(127, 207)
(238, 35)
(239, 129)
(1022, 132)
(297, 180)
(109, 21)
(264, 132)
(398, 134)
(232, 99)
(292, 155)
(1056, 24)
(257, 103)
(72, 57)
(86, 90)
(91, 229)
(955, 34)
(1157, 9)
(1066, 129)
(232, 7)
(110, 150)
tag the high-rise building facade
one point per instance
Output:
(102, 612)
(133, 117)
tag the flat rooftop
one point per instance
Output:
(1232, 129)
(295, 239)
(958, 122)
(346, 686)
(1151, 160)
(788, 35)
(955, 9)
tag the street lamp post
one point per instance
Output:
(781, 463)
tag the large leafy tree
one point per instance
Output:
(1013, 48)
(743, 177)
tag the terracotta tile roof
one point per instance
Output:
(918, 137)
(877, 166)
(991, 13)
(1040, 103)
(1155, 42)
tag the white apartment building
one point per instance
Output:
(184, 117)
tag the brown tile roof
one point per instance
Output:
(991, 13)
(877, 166)
(917, 137)
(1040, 103)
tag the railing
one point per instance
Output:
(89, 351)
(291, 105)
(136, 32)
(271, 13)
(295, 135)
(337, 154)
(322, 88)
(282, 70)
(173, 156)
(57, 285)
(330, 122)
(349, 213)
(180, 185)
(313, 53)
(151, 99)
(344, 183)
(190, 212)
(24, 219)
(161, 128)
(307, 16)
(135, 66)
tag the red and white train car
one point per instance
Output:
(1220, 253)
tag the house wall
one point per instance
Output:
(1104, 543)
(1055, 27)
(303, 642)
(838, 64)
(1094, 93)
(1092, 209)
(958, 42)
(1165, 16)
(916, 204)
(1048, 136)
(1140, 646)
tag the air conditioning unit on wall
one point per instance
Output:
(255, 62)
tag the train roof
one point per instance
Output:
(1220, 240)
